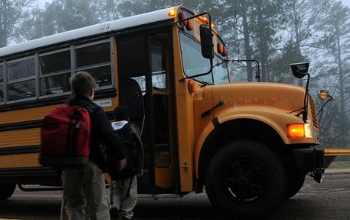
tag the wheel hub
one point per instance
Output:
(245, 181)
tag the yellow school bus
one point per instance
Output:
(248, 144)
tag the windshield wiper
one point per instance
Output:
(206, 84)
(219, 63)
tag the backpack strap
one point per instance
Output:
(91, 109)
(128, 191)
(84, 103)
(136, 135)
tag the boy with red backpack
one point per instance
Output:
(84, 185)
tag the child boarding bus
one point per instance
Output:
(249, 144)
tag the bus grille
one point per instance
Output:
(313, 112)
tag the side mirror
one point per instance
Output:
(206, 41)
(299, 70)
(324, 96)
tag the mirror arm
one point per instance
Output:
(319, 113)
(212, 47)
(257, 76)
(322, 108)
(306, 99)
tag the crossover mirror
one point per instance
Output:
(299, 70)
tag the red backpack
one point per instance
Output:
(65, 137)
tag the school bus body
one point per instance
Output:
(199, 128)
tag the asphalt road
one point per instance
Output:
(329, 200)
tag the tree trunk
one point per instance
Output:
(248, 50)
(343, 119)
(3, 23)
(262, 42)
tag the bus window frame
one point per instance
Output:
(2, 83)
(55, 73)
(38, 74)
(183, 34)
(216, 58)
(85, 68)
(19, 80)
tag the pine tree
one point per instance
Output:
(11, 12)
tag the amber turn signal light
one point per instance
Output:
(299, 130)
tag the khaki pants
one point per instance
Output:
(125, 204)
(83, 187)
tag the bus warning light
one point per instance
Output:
(222, 49)
(190, 25)
(182, 19)
(171, 13)
(191, 87)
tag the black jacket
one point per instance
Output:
(102, 133)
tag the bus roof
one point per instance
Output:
(96, 29)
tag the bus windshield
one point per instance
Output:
(194, 63)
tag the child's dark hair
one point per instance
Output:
(82, 83)
(121, 113)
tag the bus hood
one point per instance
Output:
(273, 95)
(274, 103)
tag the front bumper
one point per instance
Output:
(314, 161)
(311, 159)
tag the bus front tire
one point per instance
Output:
(6, 191)
(296, 181)
(245, 179)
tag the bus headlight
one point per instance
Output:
(299, 130)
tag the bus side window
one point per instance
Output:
(2, 97)
(158, 65)
(21, 79)
(96, 59)
(54, 76)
